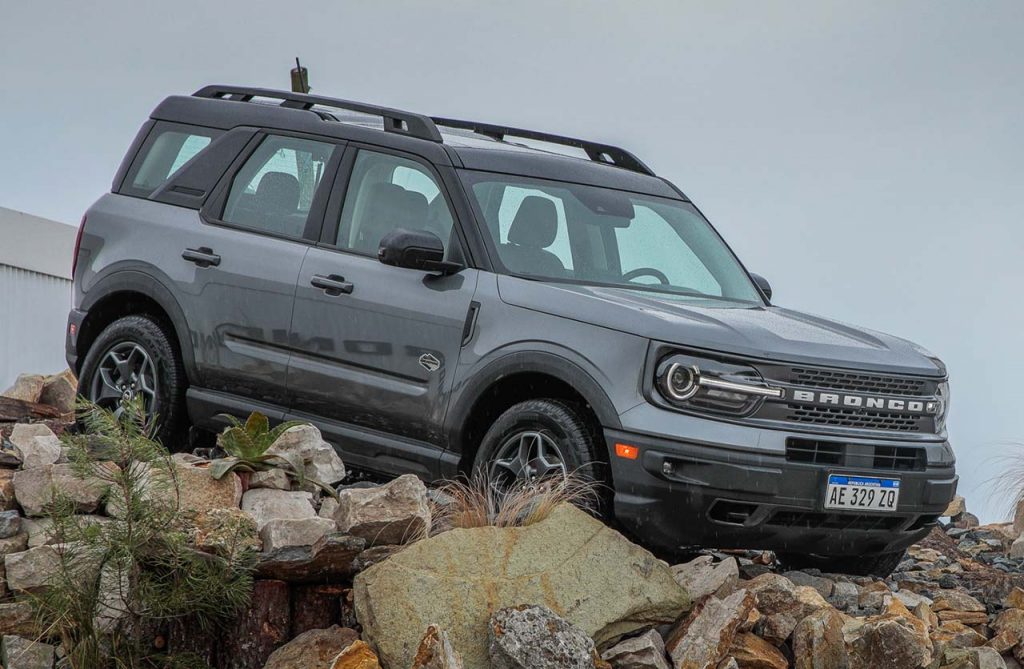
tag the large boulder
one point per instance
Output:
(532, 637)
(35, 444)
(320, 460)
(646, 651)
(394, 513)
(704, 638)
(315, 649)
(583, 571)
(36, 489)
(267, 504)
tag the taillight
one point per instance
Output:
(78, 244)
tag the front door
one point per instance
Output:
(375, 346)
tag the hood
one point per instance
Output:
(756, 331)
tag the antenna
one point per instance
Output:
(300, 78)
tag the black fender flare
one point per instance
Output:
(134, 281)
(465, 397)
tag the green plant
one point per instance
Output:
(118, 582)
(247, 444)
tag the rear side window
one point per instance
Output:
(166, 150)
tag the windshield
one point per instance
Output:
(584, 234)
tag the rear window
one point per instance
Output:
(166, 150)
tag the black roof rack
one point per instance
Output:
(395, 120)
(601, 153)
(425, 127)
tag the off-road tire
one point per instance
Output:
(159, 343)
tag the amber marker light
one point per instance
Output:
(626, 451)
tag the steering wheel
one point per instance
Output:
(647, 271)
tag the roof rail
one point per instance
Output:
(601, 153)
(395, 120)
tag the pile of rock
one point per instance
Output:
(35, 397)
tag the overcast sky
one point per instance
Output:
(867, 157)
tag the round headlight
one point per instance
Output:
(681, 381)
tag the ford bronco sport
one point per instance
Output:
(440, 295)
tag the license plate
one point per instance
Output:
(863, 493)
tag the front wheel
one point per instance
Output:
(135, 359)
(870, 564)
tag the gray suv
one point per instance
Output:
(440, 295)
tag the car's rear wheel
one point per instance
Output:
(870, 564)
(134, 358)
(542, 438)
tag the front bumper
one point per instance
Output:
(679, 494)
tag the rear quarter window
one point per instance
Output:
(166, 150)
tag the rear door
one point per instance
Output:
(239, 263)
(375, 346)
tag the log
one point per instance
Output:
(16, 410)
(259, 629)
(315, 607)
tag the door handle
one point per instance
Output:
(202, 256)
(332, 285)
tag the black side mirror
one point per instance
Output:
(415, 249)
(763, 285)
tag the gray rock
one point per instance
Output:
(60, 391)
(314, 649)
(18, 618)
(701, 577)
(113, 599)
(27, 388)
(275, 479)
(1017, 548)
(287, 532)
(36, 488)
(372, 556)
(35, 444)
(646, 651)
(394, 513)
(15, 544)
(912, 599)
(21, 653)
(10, 524)
(321, 461)
(533, 637)
(704, 637)
(265, 505)
(30, 570)
(7, 498)
(330, 558)
(823, 585)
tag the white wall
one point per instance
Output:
(33, 315)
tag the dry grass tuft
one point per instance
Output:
(479, 502)
(1007, 488)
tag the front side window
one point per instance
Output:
(552, 230)
(164, 152)
(387, 192)
(274, 189)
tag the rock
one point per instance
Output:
(955, 600)
(436, 651)
(315, 649)
(646, 651)
(753, 652)
(394, 513)
(1014, 600)
(189, 488)
(956, 508)
(359, 655)
(226, 532)
(824, 586)
(873, 595)
(282, 533)
(782, 604)
(330, 558)
(7, 498)
(275, 479)
(113, 599)
(972, 658)
(1018, 518)
(704, 637)
(967, 521)
(265, 504)
(532, 637)
(328, 507)
(21, 653)
(955, 635)
(10, 524)
(30, 570)
(896, 638)
(1017, 548)
(40, 530)
(35, 489)
(701, 577)
(27, 388)
(372, 556)
(965, 617)
(818, 641)
(321, 461)
(1011, 622)
(60, 391)
(18, 618)
(911, 599)
(35, 444)
(15, 544)
(570, 562)
(845, 595)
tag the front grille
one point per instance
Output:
(834, 521)
(858, 382)
(860, 456)
(859, 418)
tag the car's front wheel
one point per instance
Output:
(134, 359)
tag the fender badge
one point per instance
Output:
(429, 362)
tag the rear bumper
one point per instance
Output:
(679, 495)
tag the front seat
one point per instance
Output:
(533, 230)
(277, 201)
(388, 207)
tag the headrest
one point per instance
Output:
(278, 191)
(535, 224)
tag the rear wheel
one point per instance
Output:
(870, 564)
(134, 358)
